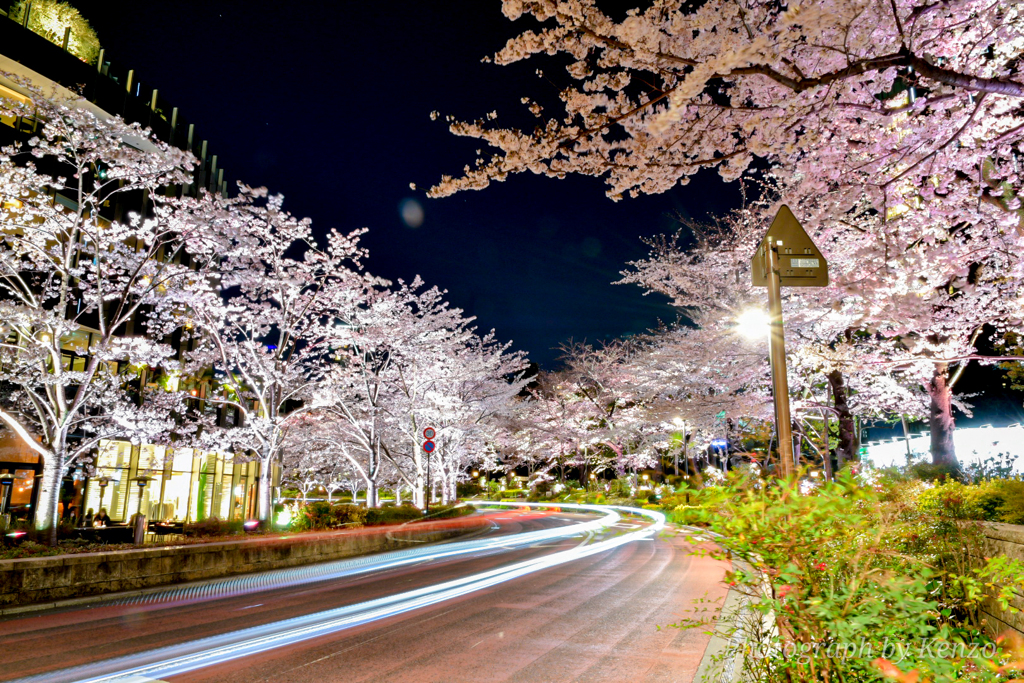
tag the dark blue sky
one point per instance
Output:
(329, 103)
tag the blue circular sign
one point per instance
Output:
(428, 446)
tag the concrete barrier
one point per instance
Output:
(1008, 540)
(32, 580)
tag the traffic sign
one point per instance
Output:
(799, 261)
(428, 433)
(428, 446)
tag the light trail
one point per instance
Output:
(178, 659)
(326, 571)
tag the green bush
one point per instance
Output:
(844, 565)
(346, 514)
(393, 514)
(321, 515)
(450, 511)
(994, 500)
(212, 526)
(314, 516)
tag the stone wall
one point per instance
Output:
(1008, 540)
(34, 580)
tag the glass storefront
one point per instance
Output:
(183, 484)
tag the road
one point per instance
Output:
(603, 617)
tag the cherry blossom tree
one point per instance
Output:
(895, 127)
(651, 99)
(481, 380)
(268, 334)
(86, 297)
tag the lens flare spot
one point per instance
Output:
(411, 212)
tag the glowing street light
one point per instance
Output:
(754, 323)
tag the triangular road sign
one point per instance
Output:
(800, 262)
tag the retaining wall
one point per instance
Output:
(1008, 540)
(32, 580)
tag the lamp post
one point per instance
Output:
(141, 481)
(140, 519)
(102, 483)
(6, 486)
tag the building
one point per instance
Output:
(163, 483)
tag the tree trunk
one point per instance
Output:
(371, 494)
(49, 495)
(265, 513)
(847, 442)
(940, 417)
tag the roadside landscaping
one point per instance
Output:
(859, 580)
(317, 516)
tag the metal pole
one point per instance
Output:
(906, 438)
(777, 353)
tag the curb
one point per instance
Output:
(715, 666)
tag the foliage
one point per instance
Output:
(994, 500)
(321, 515)
(847, 567)
(450, 511)
(393, 514)
(50, 18)
(213, 526)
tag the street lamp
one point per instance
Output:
(102, 483)
(753, 323)
(141, 481)
(6, 486)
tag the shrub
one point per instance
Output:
(315, 516)
(450, 511)
(212, 526)
(393, 514)
(345, 514)
(845, 566)
(994, 500)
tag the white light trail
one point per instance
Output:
(178, 659)
(296, 576)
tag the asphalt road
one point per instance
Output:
(606, 617)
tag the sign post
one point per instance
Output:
(786, 257)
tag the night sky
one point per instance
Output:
(329, 104)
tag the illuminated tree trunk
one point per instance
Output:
(847, 442)
(940, 417)
(49, 494)
(265, 513)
